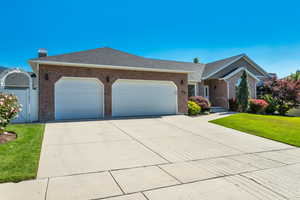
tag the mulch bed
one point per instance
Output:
(7, 137)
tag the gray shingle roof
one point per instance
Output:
(213, 66)
(113, 57)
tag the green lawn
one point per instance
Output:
(279, 128)
(19, 159)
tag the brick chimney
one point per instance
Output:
(42, 52)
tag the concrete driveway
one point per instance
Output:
(172, 157)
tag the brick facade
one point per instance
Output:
(54, 73)
(217, 92)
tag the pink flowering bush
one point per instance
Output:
(202, 102)
(9, 109)
(258, 106)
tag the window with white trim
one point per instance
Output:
(191, 90)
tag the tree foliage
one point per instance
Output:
(196, 60)
(294, 76)
(286, 92)
(243, 93)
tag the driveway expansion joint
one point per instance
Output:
(116, 182)
(169, 174)
(135, 139)
(46, 192)
(177, 162)
(197, 181)
(264, 186)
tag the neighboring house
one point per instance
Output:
(24, 85)
(108, 82)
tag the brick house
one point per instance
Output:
(105, 82)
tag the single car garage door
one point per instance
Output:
(142, 97)
(78, 98)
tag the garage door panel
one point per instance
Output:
(78, 98)
(140, 97)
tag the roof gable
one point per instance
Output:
(214, 68)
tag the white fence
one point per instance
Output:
(29, 100)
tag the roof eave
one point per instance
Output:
(33, 62)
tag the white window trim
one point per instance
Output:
(196, 87)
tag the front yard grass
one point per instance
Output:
(19, 159)
(279, 128)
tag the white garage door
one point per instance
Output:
(141, 97)
(78, 98)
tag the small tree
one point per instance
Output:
(243, 93)
(9, 109)
(196, 60)
(295, 76)
(286, 92)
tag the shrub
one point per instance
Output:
(272, 104)
(283, 108)
(9, 109)
(193, 108)
(257, 106)
(202, 102)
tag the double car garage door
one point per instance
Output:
(83, 98)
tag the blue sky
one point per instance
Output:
(268, 31)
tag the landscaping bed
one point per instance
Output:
(19, 158)
(280, 128)
(7, 137)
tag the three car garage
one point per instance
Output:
(83, 98)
